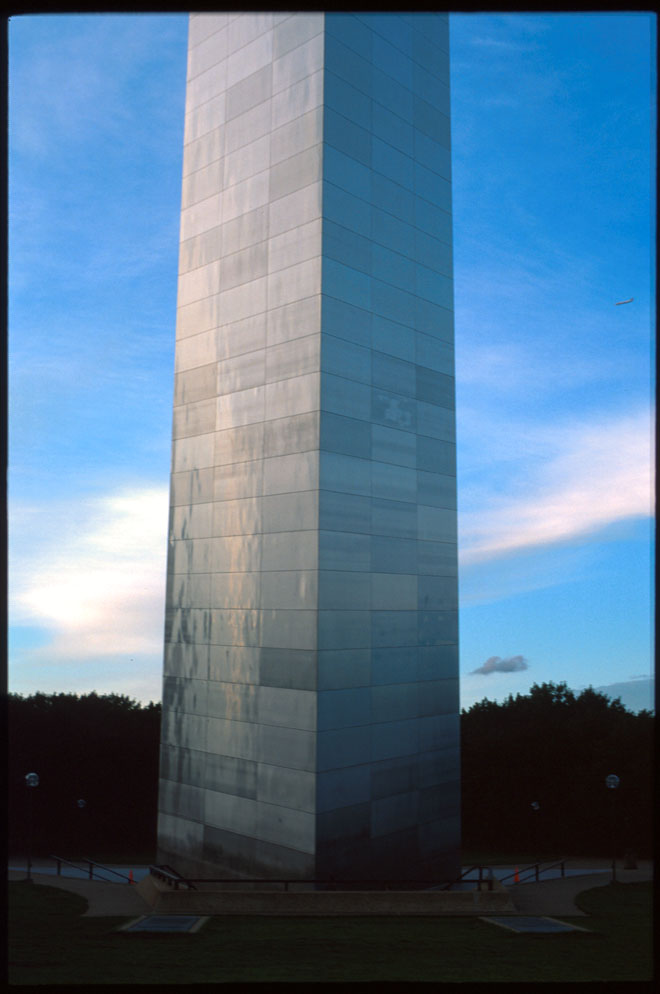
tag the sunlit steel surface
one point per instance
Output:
(310, 703)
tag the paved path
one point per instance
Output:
(547, 897)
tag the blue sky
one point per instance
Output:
(553, 179)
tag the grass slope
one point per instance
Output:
(49, 943)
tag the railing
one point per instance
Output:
(175, 880)
(465, 879)
(536, 869)
(59, 860)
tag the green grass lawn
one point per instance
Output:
(49, 943)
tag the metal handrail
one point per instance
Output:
(175, 879)
(537, 869)
(60, 859)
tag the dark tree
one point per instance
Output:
(556, 748)
(102, 749)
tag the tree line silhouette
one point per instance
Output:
(533, 774)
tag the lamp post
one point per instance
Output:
(612, 782)
(31, 781)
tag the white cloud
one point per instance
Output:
(92, 572)
(593, 475)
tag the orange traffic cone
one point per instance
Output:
(130, 877)
(516, 878)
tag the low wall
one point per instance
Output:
(166, 900)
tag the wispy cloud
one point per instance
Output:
(91, 572)
(594, 474)
(495, 664)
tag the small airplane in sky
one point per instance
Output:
(619, 302)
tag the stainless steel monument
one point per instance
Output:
(310, 701)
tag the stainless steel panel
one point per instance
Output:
(295, 209)
(436, 456)
(395, 702)
(347, 100)
(343, 358)
(295, 748)
(235, 814)
(242, 444)
(294, 246)
(393, 410)
(204, 150)
(436, 627)
(227, 774)
(392, 338)
(393, 518)
(436, 490)
(179, 834)
(347, 397)
(341, 788)
(291, 590)
(340, 747)
(395, 813)
(289, 788)
(294, 283)
(293, 668)
(294, 358)
(438, 697)
(347, 137)
(344, 591)
(288, 512)
(235, 590)
(186, 661)
(237, 702)
(347, 322)
(238, 554)
(395, 738)
(343, 551)
(394, 665)
(249, 58)
(339, 669)
(437, 558)
(290, 550)
(298, 63)
(297, 171)
(438, 662)
(439, 767)
(250, 227)
(436, 524)
(282, 629)
(297, 99)
(248, 92)
(247, 127)
(345, 473)
(295, 31)
(439, 732)
(436, 422)
(344, 629)
(233, 664)
(173, 798)
(235, 626)
(194, 419)
(393, 628)
(344, 708)
(197, 350)
(295, 320)
(233, 738)
(301, 133)
(236, 517)
(438, 593)
(189, 590)
(389, 445)
(393, 555)
(390, 482)
(238, 480)
(200, 120)
(284, 706)
(340, 512)
(295, 395)
(347, 435)
(345, 209)
(346, 283)
(393, 592)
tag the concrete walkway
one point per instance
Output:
(555, 897)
